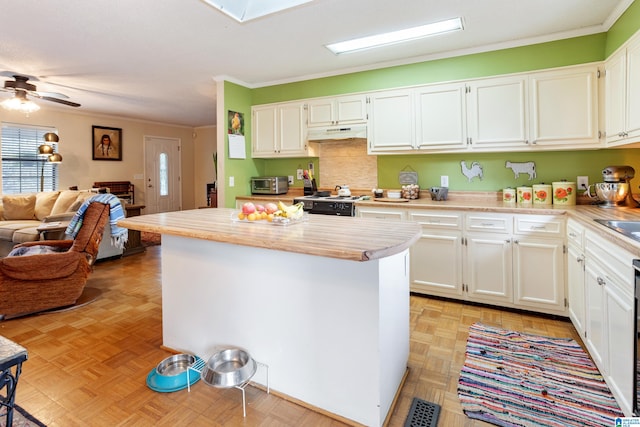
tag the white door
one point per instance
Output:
(162, 174)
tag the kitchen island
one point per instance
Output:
(324, 303)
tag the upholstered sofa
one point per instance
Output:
(22, 214)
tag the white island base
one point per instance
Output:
(334, 332)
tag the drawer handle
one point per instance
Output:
(572, 234)
(538, 227)
(601, 281)
(487, 224)
(434, 221)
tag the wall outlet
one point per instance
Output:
(299, 174)
(232, 181)
(291, 179)
(583, 182)
(311, 168)
(444, 181)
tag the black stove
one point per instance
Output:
(329, 205)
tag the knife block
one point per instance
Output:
(310, 187)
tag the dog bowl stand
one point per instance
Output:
(198, 366)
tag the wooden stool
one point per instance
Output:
(11, 357)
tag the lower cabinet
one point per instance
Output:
(610, 305)
(576, 276)
(507, 260)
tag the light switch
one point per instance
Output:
(444, 181)
(232, 181)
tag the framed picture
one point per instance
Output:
(236, 123)
(106, 143)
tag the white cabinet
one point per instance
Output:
(622, 94)
(337, 110)
(610, 320)
(576, 276)
(392, 121)
(564, 107)
(498, 112)
(538, 262)
(278, 130)
(488, 259)
(516, 261)
(441, 116)
(436, 266)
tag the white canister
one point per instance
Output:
(564, 193)
(524, 195)
(509, 195)
(542, 194)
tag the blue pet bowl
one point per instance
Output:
(172, 373)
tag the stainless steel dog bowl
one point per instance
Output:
(229, 368)
(175, 365)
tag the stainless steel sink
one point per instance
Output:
(628, 228)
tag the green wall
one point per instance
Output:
(551, 165)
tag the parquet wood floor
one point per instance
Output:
(88, 366)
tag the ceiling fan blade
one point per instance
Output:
(60, 101)
(40, 94)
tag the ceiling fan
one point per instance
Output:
(22, 88)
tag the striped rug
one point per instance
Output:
(515, 379)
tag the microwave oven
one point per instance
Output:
(269, 185)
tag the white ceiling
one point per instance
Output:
(158, 60)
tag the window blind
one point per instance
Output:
(22, 168)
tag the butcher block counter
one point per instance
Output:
(323, 303)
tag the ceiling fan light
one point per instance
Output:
(51, 137)
(21, 105)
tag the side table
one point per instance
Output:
(11, 357)
(134, 243)
(52, 230)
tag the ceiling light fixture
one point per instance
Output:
(245, 10)
(20, 103)
(394, 37)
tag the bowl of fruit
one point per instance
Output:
(272, 213)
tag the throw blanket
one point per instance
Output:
(119, 235)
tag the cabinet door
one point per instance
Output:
(291, 131)
(539, 273)
(633, 89)
(436, 264)
(392, 121)
(264, 132)
(576, 289)
(497, 112)
(565, 107)
(620, 308)
(441, 119)
(351, 109)
(320, 112)
(596, 338)
(488, 268)
(436, 258)
(615, 89)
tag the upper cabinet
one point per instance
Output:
(391, 126)
(622, 94)
(564, 107)
(552, 109)
(497, 112)
(278, 130)
(342, 110)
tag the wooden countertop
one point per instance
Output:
(356, 239)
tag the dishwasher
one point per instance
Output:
(636, 346)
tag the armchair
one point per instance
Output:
(56, 274)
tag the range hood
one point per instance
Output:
(332, 133)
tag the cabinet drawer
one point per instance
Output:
(542, 225)
(575, 234)
(397, 214)
(496, 223)
(437, 220)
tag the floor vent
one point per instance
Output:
(422, 414)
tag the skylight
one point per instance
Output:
(245, 10)
(394, 37)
